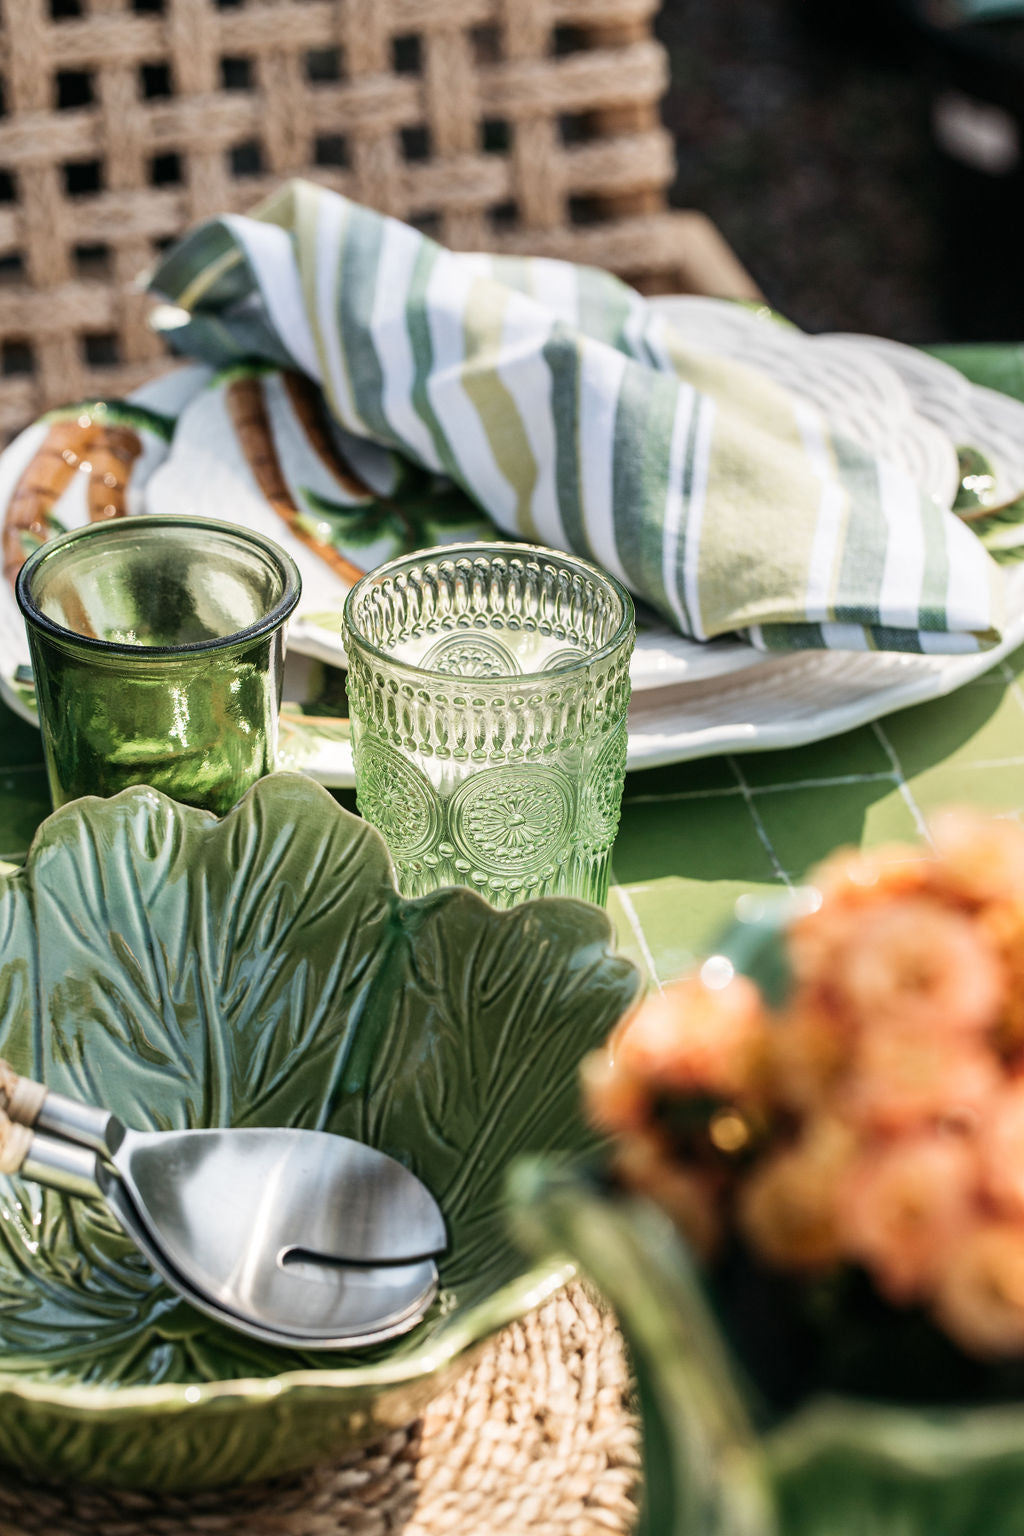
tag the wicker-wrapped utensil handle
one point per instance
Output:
(15, 1141)
(47, 1160)
(20, 1098)
(31, 1103)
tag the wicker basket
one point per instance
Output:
(536, 1439)
(512, 125)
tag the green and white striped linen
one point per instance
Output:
(578, 419)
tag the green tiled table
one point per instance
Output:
(694, 836)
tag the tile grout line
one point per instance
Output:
(906, 795)
(838, 781)
(726, 790)
(759, 826)
(633, 918)
(997, 762)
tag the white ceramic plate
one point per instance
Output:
(901, 403)
(204, 471)
(766, 701)
(804, 697)
(693, 700)
(860, 395)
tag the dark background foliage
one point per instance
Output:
(807, 130)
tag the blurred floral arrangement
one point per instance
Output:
(848, 1160)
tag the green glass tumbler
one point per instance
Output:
(488, 687)
(157, 649)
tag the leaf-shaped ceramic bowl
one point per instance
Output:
(262, 970)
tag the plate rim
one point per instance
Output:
(326, 754)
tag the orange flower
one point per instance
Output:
(1002, 923)
(878, 1116)
(980, 858)
(691, 1197)
(858, 877)
(805, 1055)
(813, 942)
(914, 964)
(902, 1207)
(787, 1208)
(694, 1037)
(614, 1101)
(980, 1299)
(901, 1079)
(1000, 1140)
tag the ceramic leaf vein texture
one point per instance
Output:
(262, 970)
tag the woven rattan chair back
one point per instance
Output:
(528, 126)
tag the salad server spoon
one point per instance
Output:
(302, 1233)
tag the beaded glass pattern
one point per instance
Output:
(488, 687)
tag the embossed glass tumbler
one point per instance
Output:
(488, 687)
(157, 650)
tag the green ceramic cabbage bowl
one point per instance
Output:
(262, 970)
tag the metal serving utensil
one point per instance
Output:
(377, 1303)
(372, 1302)
(301, 1234)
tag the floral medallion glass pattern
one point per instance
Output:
(602, 793)
(395, 797)
(512, 818)
(488, 687)
(471, 656)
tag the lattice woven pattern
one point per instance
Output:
(515, 125)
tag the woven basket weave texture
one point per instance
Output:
(535, 1440)
(524, 126)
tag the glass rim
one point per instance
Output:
(455, 551)
(269, 622)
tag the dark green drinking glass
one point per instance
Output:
(158, 652)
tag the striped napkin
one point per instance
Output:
(567, 408)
